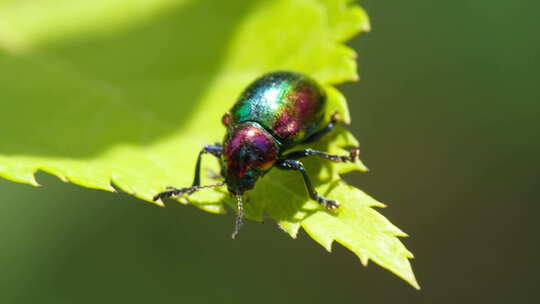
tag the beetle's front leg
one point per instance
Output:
(178, 191)
(352, 157)
(215, 150)
(289, 164)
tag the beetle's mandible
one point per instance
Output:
(277, 112)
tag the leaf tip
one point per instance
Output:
(328, 246)
(407, 273)
(62, 178)
(414, 283)
(361, 166)
(290, 228)
(32, 180)
(23, 175)
(107, 188)
(364, 21)
(366, 26)
(364, 260)
(110, 187)
(158, 203)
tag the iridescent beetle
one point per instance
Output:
(277, 112)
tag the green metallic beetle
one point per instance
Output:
(277, 112)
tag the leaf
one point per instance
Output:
(129, 91)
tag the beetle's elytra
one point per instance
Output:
(277, 112)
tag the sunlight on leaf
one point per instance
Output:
(128, 95)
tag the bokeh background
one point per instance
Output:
(446, 112)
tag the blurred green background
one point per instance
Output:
(446, 113)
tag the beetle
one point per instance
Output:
(277, 112)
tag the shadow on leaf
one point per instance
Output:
(89, 93)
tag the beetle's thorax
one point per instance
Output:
(249, 151)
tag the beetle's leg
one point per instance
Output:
(352, 157)
(215, 150)
(289, 164)
(334, 119)
(188, 190)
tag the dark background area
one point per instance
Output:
(446, 112)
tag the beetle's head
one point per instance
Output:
(248, 153)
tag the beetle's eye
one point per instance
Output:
(226, 119)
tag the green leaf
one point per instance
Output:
(127, 92)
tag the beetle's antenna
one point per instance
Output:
(239, 217)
